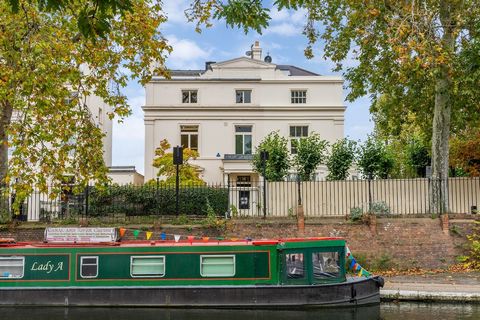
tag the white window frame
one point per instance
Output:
(242, 91)
(189, 96)
(88, 264)
(297, 138)
(243, 134)
(189, 134)
(22, 259)
(100, 116)
(217, 256)
(159, 275)
(300, 98)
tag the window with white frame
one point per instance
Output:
(296, 133)
(147, 266)
(12, 267)
(243, 96)
(217, 265)
(189, 136)
(298, 96)
(189, 96)
(243, 139)
(89, 267)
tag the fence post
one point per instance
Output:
(86, 200)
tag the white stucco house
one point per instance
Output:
(226, 109)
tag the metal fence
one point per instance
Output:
(248, 199)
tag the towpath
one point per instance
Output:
(441, 287)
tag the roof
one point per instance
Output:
(186, 73)
(295, 71)
(292, 71)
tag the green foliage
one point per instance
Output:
(48, 74)
(379, 208)
(188, 174)
(374, 160)
(472, 259)
(341, 159)
(418, 157)
(278, 162)
(150, 200)
(94, 20)
(310, 154)
(356, 214)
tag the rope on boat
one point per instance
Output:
(354, 265)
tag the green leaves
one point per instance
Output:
(278, 163)
(341, 159)
(248, 14)
(310, 154)
(54, 80)
(374, 160)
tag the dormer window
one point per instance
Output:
(189, 96)
(299, 96)
(243, 96)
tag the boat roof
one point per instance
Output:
(167, 243)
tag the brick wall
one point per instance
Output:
(399, 242)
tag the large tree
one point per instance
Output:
(422, 54)
(47, 70)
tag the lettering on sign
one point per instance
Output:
(47, 267)
(72, 235)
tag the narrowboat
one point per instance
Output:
(212, 273)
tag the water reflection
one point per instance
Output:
(361, 313)
(428, 311)
(387, 311)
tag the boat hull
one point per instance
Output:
(351, 293)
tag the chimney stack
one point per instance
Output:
(256, 51)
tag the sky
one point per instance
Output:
(283, 41)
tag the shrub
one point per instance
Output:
(150, 200)
(356, 214)
(379, 208)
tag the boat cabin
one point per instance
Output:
(304, 261)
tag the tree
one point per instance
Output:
(278, 163)
(310, 154)
(341, 159)
(47, 72)
(422, 54)
(465, 151)
(374, 159)
(94, 19)
(163, 160)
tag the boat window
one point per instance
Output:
(295, 266)
(217, 265)
(147, 266)
(88, 267)
(12, 267)
(325, 265)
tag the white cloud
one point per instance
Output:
(284, 29)
(175, 10)
(186, 54)
(291, 16)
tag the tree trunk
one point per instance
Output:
(5, 118)
(441, 119)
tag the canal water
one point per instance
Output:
(386, 311)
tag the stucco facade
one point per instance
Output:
(244, 97)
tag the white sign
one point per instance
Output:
(77, 235)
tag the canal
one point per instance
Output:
(386, 311)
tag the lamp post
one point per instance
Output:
(263, 159)
(177, 160)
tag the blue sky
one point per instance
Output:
(283, 40)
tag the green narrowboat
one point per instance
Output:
(186, 273)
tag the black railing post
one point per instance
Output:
(156, 197)
(86, 201)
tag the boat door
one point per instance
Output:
(295, 267)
